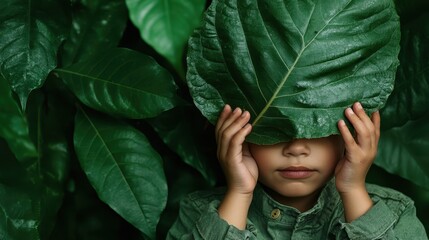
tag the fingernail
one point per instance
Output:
(342, 123)
(235, 110)
(349, 111)
(358, 105)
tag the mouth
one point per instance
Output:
(296, 172)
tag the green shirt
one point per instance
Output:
(393, 216)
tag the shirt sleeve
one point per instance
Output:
(197, 222)
(383, 222)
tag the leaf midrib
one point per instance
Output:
(115, 162)
(304, 47)
(108, 82)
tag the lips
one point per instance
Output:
(296, 172)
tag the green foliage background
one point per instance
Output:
(99, 138)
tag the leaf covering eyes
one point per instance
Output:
(294, 65)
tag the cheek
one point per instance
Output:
(261, 159)
(336, 145)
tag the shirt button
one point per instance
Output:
(275, 213)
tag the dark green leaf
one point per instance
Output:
(294, 65)
(49, 118)
(123, 168)
(410, 98)
(13, 124)
(166, 25)
(403, 151)
(30, 33)
(409, 10)
(18, 200)
(122, 82)
(184, 131)
(97, 25)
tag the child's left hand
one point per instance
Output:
(360, 151)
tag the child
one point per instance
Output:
(308, 188)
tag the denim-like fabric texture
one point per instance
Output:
(393, 216)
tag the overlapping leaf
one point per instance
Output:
(182, 129)
(410, 98)
(13, 124)
(123, 168)
(404, 118)
(49, 119)
(97, 25)
(403, 151)
(166, 25)
(294, 65)
(30, 33)
(18, 213)
(122, 82)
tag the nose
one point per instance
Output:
(296, 148)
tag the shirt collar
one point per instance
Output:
(267, 207)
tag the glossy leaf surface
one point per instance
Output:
(97, 25)
(294, 65)
(123, 168)
(30, 33)
(166, 25)
(14, 125)
(403, 151)
(122, 82)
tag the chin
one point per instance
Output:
(296, 189)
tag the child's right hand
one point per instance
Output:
(240, 168)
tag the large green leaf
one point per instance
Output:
(122, 82)
(18, 211)
(403, 151)
(294, 65)
(123, 168)
(97, 25)
(13, 124)
(410, 98)
(30, 33)
(49, 118)
(166, 25)
(181, 134)
(31, 193)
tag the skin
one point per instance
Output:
(348, 157)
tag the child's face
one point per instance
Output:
(299, 168)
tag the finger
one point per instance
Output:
(229, 133)
(363, 137)
(376, 119)
(230, 118)
(222, 116)
(349, 140)
(360, 112)
(236, 146)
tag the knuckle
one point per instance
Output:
(350, 142)
(228, 133)
(365, 133)
(371, 129)
(237, 139)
